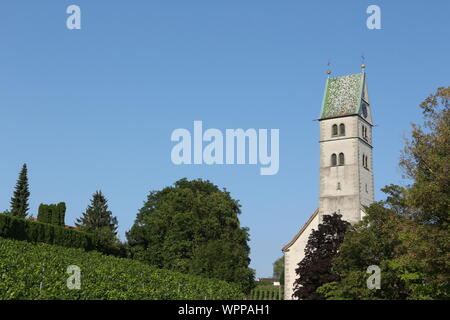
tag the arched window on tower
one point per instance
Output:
(334, 159)
(334, 130)
(342, 129)
(364, 160)
(341, 159)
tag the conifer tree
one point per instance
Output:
(97, 216)
(19, 201)
(98, 220)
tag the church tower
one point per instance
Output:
(346, 170)
(346, 163)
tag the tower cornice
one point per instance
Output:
(347, 138)
(346, 116)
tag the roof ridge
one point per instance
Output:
(348, 75)
(307, 223)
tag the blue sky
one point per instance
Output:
(94, 108)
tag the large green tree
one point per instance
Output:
(315, 268)
(19, 201)
(426, 161)
(193, 227)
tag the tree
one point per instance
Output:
(396, 199)
(414, 259)
(19, 201)
(426, 160)
(278, 268)
(282, 278)
(97, 219)
(315, 268)
(97, 215)
(43, 213)
(193, 227)
(59, 217)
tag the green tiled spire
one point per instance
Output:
(342, 96)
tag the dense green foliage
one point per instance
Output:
(414, 259)
(19, 201)
(193, 227)
(38, 271)
(23, 229)
(282, 278)
(99, 221)
(408, 234)
(52, 213)
(426, 161)
(278, 268)
(315, 268)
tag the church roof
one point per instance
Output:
(303, 228)
(343, 95)
(298, 234)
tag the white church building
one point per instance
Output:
(346, 166)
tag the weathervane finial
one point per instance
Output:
(328, 69)
(363, 66)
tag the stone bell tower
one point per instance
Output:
(346, 163)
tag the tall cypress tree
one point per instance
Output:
(19, 201)
(61, 209)
(97, 216)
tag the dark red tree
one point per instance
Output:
(315, 268)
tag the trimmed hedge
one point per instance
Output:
(38, 271)
(27, 230)
(52, 213)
